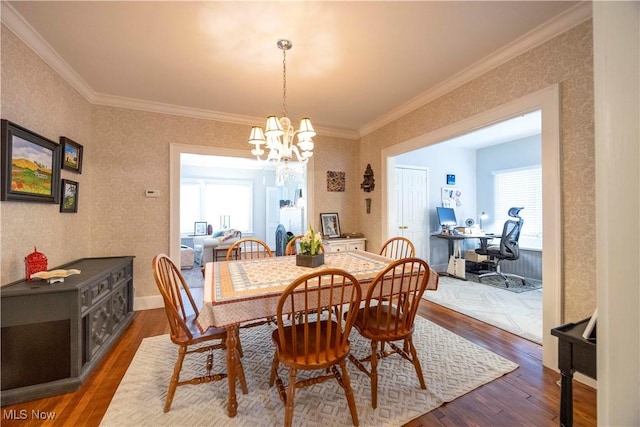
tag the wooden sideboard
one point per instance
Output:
(53, 335)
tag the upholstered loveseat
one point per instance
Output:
(204, 245)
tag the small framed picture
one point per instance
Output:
(451, 179)
(71, 155)
(69, 196)
(330, 225)
(200, 228)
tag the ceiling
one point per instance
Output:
(354, 66)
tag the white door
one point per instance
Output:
(411, 207)
(272, 215)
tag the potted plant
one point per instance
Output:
(310, 244)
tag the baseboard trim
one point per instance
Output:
(147, 303)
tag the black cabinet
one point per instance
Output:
(54, 335)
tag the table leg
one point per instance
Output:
(232, 360)
(566, 398)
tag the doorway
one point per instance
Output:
(548, 101)
(175, 153)
(411, 207)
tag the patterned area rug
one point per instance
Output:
(515, 285)
(452, 366)
(193, 277)
(518, 313)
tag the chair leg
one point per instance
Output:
(415, 360)
(374, 374)
(241, 377)
(274, 369)
(173, 384)
(349, 392)
(291, 390)
(239, 343)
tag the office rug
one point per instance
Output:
(452, 367)
(515, 285)
(518, 313)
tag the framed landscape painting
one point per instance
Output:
(71, 155)
(69, 196)
(30, 165)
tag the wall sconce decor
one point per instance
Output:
(369, 183)
(368, 202)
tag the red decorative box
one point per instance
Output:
(34, 263)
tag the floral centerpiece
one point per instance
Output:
(310, 244)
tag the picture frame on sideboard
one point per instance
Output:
(330, 225)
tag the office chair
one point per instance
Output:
(508, 249)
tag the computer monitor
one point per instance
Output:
(446, 216)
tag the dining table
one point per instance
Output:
(248, 290)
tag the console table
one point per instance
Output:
(574, 354)
(53, 335)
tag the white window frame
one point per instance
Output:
(202, 184)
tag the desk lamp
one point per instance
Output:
(483, 217)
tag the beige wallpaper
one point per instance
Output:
(35, 97)
(127, 152)
(567, 60)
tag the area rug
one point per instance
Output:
(518, 313)
(515, 285)
(193, 277)
(452, 366)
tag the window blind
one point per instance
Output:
(517, 188)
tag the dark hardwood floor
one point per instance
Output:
(528, 396)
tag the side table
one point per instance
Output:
(574, 354)
(220, 252)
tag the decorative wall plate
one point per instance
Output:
(469, 222)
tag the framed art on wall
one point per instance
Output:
(71, 154)
(30, 165)
(330, 225)
(199, 228)
(69, 196)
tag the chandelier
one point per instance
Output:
(279, 136)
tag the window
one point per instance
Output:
(218, 202)
(189, 206)
(521, 187)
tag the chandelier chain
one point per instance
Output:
(284, 83)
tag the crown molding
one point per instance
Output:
(539, 35)
(177, 110)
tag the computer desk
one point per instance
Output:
(451, 238)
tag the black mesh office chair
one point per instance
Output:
(508, 249)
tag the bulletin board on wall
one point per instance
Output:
(451, 197)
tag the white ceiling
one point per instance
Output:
(354, 66)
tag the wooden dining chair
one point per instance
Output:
(308, 341)
(182, 312)
(398, 248)
(389, 311)
(292, 246)
(248, 248)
